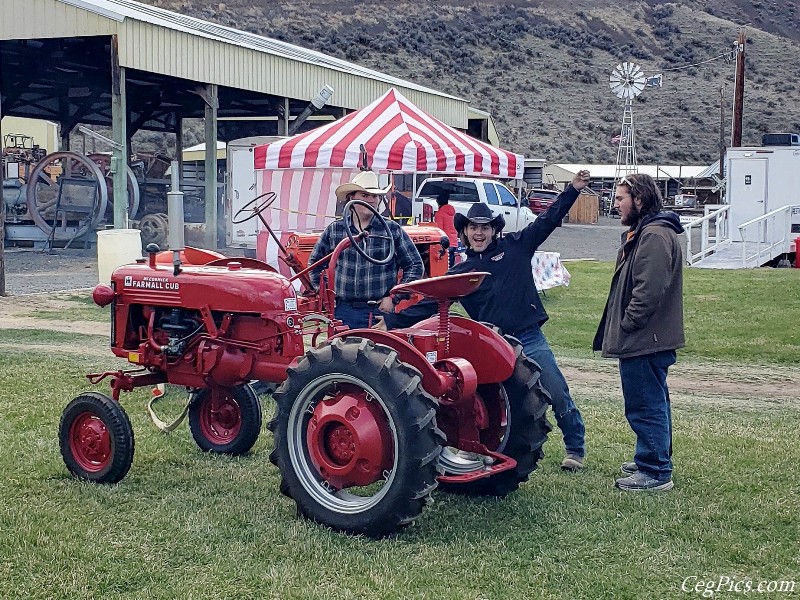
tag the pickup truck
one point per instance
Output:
(466, 191)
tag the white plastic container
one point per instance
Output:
(116, 247)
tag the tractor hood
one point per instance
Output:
(229, 288)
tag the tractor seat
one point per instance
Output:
(446, 287)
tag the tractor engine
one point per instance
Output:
(208, 325)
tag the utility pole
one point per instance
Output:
(738, 93)
(721, 131)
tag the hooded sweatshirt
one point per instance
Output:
(644, 310)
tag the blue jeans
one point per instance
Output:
(357, 317)
(568, 417)
(647, 408)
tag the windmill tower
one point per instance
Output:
(627, 81)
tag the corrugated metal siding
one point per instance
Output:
(26, 19)
(160, 50)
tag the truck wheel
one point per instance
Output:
(518, 428)
(96, 438)
(231, 429)
(356, 438)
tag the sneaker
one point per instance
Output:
(640, 482)
(629, 467)
(572, 462)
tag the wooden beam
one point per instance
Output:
(2, 203)
(738, 93)
(283, 117)
(212, 104)
(119, 126)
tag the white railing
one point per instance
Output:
(714, 229)
(770, 233)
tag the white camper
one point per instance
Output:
(241, 188)
(761, 179)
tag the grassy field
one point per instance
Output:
(184, 524)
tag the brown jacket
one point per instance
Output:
(644, 311)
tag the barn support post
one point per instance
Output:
(179, 147)
(283, 118)
(2, 209)
(119, 125)
(211, 98)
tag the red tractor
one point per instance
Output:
(368, 422)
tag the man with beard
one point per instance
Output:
(642, 326)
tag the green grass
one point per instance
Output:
(743, 315)
(184, 524)
(44, 336)
(82, 308)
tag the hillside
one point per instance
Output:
(542, 68)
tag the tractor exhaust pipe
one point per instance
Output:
(175, 218)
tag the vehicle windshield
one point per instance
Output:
(460, 191)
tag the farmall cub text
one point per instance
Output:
(368, 422)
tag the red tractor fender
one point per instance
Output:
(490, 355)
(487, 351)
(431, 380)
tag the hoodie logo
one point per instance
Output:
(498, 257)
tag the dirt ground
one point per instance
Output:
(37, 281)
(720, 384)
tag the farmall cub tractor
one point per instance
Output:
(368, 422)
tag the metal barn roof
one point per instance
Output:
(157, 41)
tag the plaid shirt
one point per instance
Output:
(356, 278)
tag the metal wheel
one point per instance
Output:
(254, 208)
(356, 438)
(80, 185)
(350, 207)
(227, 424)
(132, 201)
(518, 428)
(155, 229)
(96, 438)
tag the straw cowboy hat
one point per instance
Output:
(366, 181)
(479, 214)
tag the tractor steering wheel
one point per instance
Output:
(258, 208)
(350, 207)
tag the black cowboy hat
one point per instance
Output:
(479, 214)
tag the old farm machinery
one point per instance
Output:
(368, 422)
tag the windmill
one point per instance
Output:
(627, 81)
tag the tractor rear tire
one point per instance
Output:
(96, 438)
(355, 437)
(526, 432)
(233, 429)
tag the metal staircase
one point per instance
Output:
(709, 243)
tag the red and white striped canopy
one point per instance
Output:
(399, 137)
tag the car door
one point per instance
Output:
(517, 217)
(493, 200)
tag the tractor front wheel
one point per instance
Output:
(230, 425)
(356, 438)
(518, 428)
(96, 438)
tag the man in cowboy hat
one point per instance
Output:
(509, 298)
(361, 287)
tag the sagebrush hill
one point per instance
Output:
(541, 68)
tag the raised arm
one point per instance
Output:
(537, 232)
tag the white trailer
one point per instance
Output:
(241, 188)
(760, 180)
